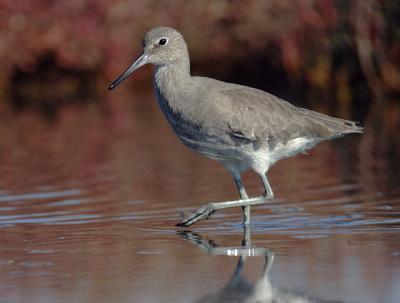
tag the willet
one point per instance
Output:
(242, 127)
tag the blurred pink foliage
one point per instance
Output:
(90, 34)
(104, 35)
(72, 29)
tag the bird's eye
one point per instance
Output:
(163, 41)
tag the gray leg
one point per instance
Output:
(243, 196)
(269, 259)
(268, 191)
(238, 270)
(246, 241)
(206, 211)
(240, 187)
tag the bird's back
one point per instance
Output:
(258, 115)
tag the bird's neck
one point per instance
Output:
(173, 82)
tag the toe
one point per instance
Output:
(202, 213)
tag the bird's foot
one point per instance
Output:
(202, 213)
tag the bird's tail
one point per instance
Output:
(332, 127)
(341, 126)
(352, 127)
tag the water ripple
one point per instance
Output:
(41, 195)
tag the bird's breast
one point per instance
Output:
(194, 136)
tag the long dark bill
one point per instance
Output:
(142, 60)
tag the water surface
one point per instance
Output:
(88, 204)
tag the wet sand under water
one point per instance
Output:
(88, 205)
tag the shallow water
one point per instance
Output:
(88, 204)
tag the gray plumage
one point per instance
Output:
(241, 127)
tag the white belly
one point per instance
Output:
(260, 160)
(291, 148)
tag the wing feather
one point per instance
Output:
(258, 115)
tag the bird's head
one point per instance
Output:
(162, 46)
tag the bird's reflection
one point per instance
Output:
(239, 289)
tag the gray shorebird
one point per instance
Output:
(241, 127)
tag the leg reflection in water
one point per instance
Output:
(239, 289)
